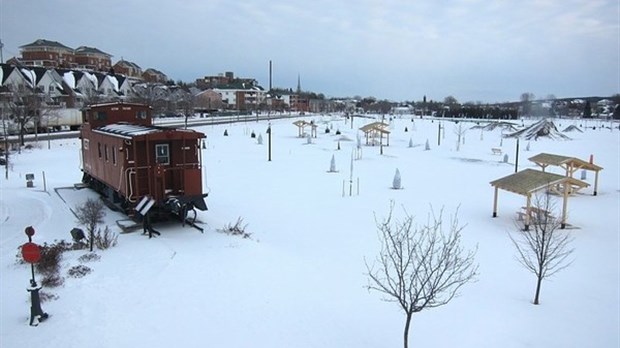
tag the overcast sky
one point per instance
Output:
(474, 50)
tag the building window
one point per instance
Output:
(101, 116)
(107, 158)
(99, 149)
(162, 154)
(141, 115)
(114, 155)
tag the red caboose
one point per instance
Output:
(126, 158)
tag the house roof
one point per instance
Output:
(129, 64)
(528, 181)
(46, 43)
(91, 50)
(545, 159)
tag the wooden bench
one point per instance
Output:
(496, 151)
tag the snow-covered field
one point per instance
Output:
(299, 281)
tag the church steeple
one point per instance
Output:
(298, 84)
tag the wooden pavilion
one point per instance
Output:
(376, 129)
(301, 125)
(570, 164)
(530, 181)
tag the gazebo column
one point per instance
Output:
(595, 182)
(495, 202)
(528, 211)
(564, 204)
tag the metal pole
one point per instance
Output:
(269, 129)
(439, 134)
(517, 157)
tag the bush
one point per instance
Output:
(89, 257)
(78, 271)
(237, 229)
(51, 254)
(105, 239)
(46, 296)
(52, 280)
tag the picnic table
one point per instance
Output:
(536, 214)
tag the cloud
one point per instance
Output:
(397, 49)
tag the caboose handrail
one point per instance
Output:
(128, 173)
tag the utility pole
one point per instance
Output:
(1, 56)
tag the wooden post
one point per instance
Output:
(495, 202)
(528, 212)
(564, 204)
(595, 182)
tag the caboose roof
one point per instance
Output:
(129, 131)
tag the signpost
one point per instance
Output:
(32, 254)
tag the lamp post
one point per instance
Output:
(32, 254)
(269, 132)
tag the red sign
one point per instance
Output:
(29, 231)
(31, 252)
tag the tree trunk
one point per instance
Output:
(92, 240)
(406, 334)
(538, 283)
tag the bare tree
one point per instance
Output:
(460, 133)
(420, 267)
(526, 103)
(90, 214)
(545, 248)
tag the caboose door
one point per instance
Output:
(162, 160)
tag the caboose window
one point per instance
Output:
(141, 115)
(101, 116)
(162, 154)
(114, 155)
(99, 149)
(106, 153)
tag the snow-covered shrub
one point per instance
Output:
(78, 271)
(105, 239)
(236, 229)
(332, 165)
(90, 257)
(52, 280)
(396, 185)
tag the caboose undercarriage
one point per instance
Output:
(179, 207)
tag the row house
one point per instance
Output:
(90, 58)
(242, 96)
(154, 76)
(47, 54)
(208, 101)
(66, 87)
(128, 68)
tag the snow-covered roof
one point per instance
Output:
(125, 130)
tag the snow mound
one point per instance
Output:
(572, 128)
(543, 128)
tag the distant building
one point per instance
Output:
(128, 68)
(155, 76)
(48, 54)
(91, 58)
